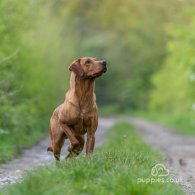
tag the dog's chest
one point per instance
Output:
(86, 118)
(85, 122)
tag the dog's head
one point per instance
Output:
(88, 68)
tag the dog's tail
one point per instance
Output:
(50, 148)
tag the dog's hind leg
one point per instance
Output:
(58, 142)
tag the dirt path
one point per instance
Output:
(178, 151)
(37, 156)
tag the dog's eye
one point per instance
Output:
(88, 62)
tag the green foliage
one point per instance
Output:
(32, 64)
(130, 35)
(111, 170)
(39, 39)
(174, 90)
(183, 123)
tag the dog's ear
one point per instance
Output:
(76, 68)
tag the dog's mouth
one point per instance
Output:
(104, 70)
(98, 74)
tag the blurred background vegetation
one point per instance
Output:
(149, 45)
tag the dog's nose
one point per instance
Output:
(104, 63)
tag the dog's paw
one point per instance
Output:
(49, 149)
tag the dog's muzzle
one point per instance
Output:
(104, 63)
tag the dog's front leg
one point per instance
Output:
(90, 143)
(69, 133)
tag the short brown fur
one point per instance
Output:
(78, 114)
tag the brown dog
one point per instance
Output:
(78, 114)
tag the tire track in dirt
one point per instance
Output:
(178, 151)
(13, 171)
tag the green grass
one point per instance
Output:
(12, 145)
(184, 124)
(12, 142)
(114, 168)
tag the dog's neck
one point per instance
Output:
(83, 89)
